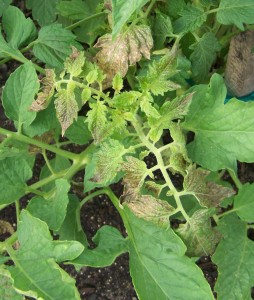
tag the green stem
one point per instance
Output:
(74, 25)
(236, 180)
(33, 191)
(90, 196)
(28, 140)
(17, 207)
(160, 163)
(47, 161)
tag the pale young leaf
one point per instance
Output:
(208, 193)
(146, 105)
(75, 62)
(195, 234)
(92, 76)
(108, 161)
(157, 80)
(126, 49)
(66, 108)
(97, 120)
(126, 100)
(117, 83)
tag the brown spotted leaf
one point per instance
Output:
(44, 97)
(128, 48)
(151, 209)
(195, 234)
(75, 62)
(66, 108)
(208, 193)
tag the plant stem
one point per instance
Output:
(47, 161)
(74, 25)
(17, 207)
(160, 163)
(236, 180)
(28, 140)
(90, 196)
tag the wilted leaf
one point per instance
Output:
(208, 193)
(7, 290)
(127, 49)
(66, 108)
(198, 234)
(48, 88)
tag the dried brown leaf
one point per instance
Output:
(127, 49)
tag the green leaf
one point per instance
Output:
(126, 100)
(66, 108)
(191, 19)
(110, 244)
(13, 176)
(43, 11)
(147, 107)
(122, 11)
(174, 7)
(244, 203)
(19, 30)
(75, 62)
(105, 164)
(235, 12)
(71, 229)
(73, 10)
(18, 95)
(169, 111)
(157, 78)
(97, 121)
(4, 4)
(208, 193)
(78, 132)
(162, 28)
(234, 257)
(7, 291)
(195, 234)
(36, 273)
(54, 45)
(222, 135)
(117, 83)
(7, 51)
(158, 264)
(52, 210)
(203, 55)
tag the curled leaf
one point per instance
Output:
(44, 97)
(127, 49)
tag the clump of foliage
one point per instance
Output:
(115, 78)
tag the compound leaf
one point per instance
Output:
(19, 30)
(122, 11)
(54, 45)
(36, 270)
(235, 12)
(43, 11)
(18, 95)
(52, 210)
(234, 257)
(158, 263)
(244, 203)
(110, 244)
(222, 135)
(203, 55)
